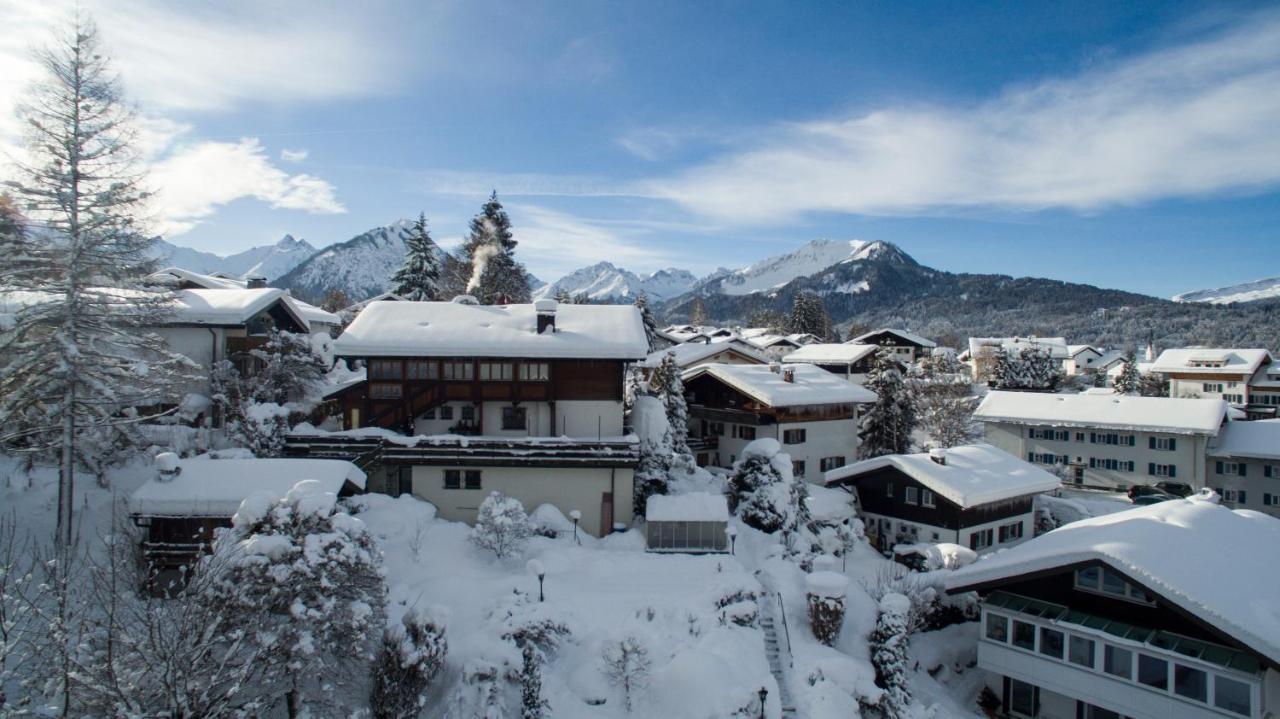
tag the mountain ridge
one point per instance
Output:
(1263, 289)
(270, 261)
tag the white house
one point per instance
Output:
(1106, 440)
(907, 346)
(812, 413)
(525, 399)
(850, 361)
(976, 496)
(692, 354)
(1229, 374)
(1153, 613)
(319, 321)
(1244, 465)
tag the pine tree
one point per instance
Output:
(764, 492)
(532, 703)
(650, 324)
(772, 320)
(886, 427)
(889, 642)
(490, 246)
(698, 311)
(665, 384)
(502, 526)
(809, 316)
(78, 358)
(648, 417)
(1130, 380)
(419, 278)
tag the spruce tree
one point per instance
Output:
(809, 316)
(665, 384)
(650, 324)
(887, 425)
(419, 278)
(490, 246)
(698, 311)
(78, 357)
(1129, 381)
(562, 296)
(764, 492)
(532, 703)
(889, 644)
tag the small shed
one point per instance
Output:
(692, 523)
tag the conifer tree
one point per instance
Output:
(562, 296)
(1129, 381)
(532, 703)
(889, 643)
(419, 278)
(490, 247)
(887, 425)
(1152, 384)
(809, 316)
(650, 324)
(698, 311)
(665, 384)
(764, 492)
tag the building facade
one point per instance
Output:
(1243, 465)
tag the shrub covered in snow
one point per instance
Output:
(412, 654)
(502, 526)
(825, 592)
(649, 419)
(626, 663)
(888, 645)
(532, 704)
(762, 490)
(256, 409)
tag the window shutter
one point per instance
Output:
(1173, 443)
(1173, 471)
(1242, 497)
(1240, 469)
(1151, 442)
(1266, 471)
(1151, 468)
(1217, 467)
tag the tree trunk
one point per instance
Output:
(67, 468)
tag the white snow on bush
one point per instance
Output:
(896, 604)
(831, 585)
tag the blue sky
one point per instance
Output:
(1127, 145)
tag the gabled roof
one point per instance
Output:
(1175, 549)
(689, 353)
(1149, 414)
(1073, 350)
(216, 487)
(454, 329)
(176, 276)
(905, 335)
(229, 307)
(1055, 346)
(831, 353)
(812, 385)
(1233, 361)
(1259, 439)
(313, 314)
(972, 475)
(766, 341)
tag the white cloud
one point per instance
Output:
(553, 243)
(196, 178)
(1185, 121)
(294, 155)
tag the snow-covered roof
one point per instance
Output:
(692, 507)
(1151, 414)
(906, 335)
(228, 307)
(1055, 346)
(972, 474)
(385, 296)
(766, 340)
(313, 314)
(452, 329)
(1114, 357)
(1073, 350)
(1180, 360)
(216, 487)
(687, 354)
(175, 276)
(1259, 439)
(811, 385)
(1175, 549)
(830, 353)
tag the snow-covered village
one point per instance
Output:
(481, 360)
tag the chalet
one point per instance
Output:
(318, 321)
(180, 507)
(1243, 377)
(1244, 465)
(850, 361)
(462, 399)
(1111, 441)
(907, 346)
(693, 523)
(983, 350)
(1134, 614)
(811, 412)
(692, 354)
(976, 496)
(1082, 359)
(778, 346)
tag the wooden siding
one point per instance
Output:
(873, 498)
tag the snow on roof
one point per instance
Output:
(1259, 439)
(692, 507)
(906, 335)
(1073, 350)
(1230, 361)
(812, 385)
(687, 354)
(451, 329)
(973, 474)
(227, 307)
(830, 353)
(216, 487)
(175, 276)
(1175, 549)
(313, 314)
(1118, 367)
(767, 340)
(1111, 357)
(1055, 346)
(1151, 414)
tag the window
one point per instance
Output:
(452, 479)
(514, 417)
(418, 369)
(429, 414)
(888, 489)
(1114, 465)
(1095, 712)
(1153, 672)
(998, 628)
(1052, 642)
(797, 468)
(384, 390)
(1116, 661)
(716, 428)
(794, 436)
(1080, 651)
(1190, 682)
(1023, 699)
(1168, 444)
(1212, 386)
(459, 370)
(473, 479)
(404, 481)
(534, 372)
(1120, 440)
(467, 413)
(1112, 583)
(384, 369)
(1234, 696)
(1059, 435)
(1162, 470)
(1024, 635)
(913, 495)
(446, 411)
(495, 371)
(1235, 496)
(1010, 532)
(1270, 500)
(981, 539)
(829, 463)
(1231, 468)
(746, 432)
(926, 499)
(1079, 436)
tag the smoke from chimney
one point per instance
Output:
(479, 261)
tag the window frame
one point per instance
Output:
(509, 415)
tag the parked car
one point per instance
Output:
(1154, 498)
(1177, 489)
(1143, 490)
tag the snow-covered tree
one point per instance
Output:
(489, 247)
(650, 324)
(772, 320)
(1099, 379)
(809, 315)
(562, 296)
(256, 410)
(532, 704)
(764, 492)
(303, 580)
(502, 526)
(626, 663)
(1032, 369)
(288, 369)
(889, 642)
(665, 384)
(335, 300)
(411, 656)
(944, 406)
(698, 311)
(1130, 380)
(1151, 384)
(418, 279)
(649, 420)
(77, 358)
(825, 595)
(886, 427)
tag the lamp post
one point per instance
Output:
(764, 694)
(536, 569)
(732, 532)
(576, 516)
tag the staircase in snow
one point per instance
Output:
(775, 652)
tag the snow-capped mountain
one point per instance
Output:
(271, 261)
(360, 267)
(1246, 292)
(604, 281)
(774, 272)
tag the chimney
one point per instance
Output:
(546, 314)
(167, 467)
(938, 455)
(788, 374)
(255, 282)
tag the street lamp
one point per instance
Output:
(576, 516)
(732, 532)
(536, 569)
(764, 694)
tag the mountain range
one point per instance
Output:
(270, 261)
(1244, 292)
(603, 282)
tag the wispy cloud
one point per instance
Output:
(1195, 119)
(294, 155)
(526, 184)
(554, 243)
